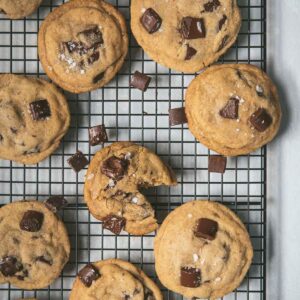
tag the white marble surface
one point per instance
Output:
(283, 205)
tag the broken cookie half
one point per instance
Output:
(114, 177)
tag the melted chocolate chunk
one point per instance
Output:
(222, 22)
(223, 43)
(177, 116)
(56, 203)
(192, 28)
(97, 135)
(74, 47)
(190, 52)
(260, 91)
(1, 137)
(114, 167)
(44, 260)
(217, 164)
(140, 81)
(32, 221)
(98, 77)
(88, 274)
(93, 58)
(78, 161)
(190, 277)
(9, 266)
(206, 229)
(151, 20)
(32, 151)
(40, 110)
(91, 38)
(231, 109)
(211, 5)
(114, 223)
(261, 120)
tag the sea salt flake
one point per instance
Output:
(111, 183)
(190, 216)
(135, 200)
(195, 257)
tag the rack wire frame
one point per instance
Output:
(143, 118)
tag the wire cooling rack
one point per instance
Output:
(143, 118)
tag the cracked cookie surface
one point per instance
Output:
(18, 9)
(114, 279)
(233, 109)
(185, 35)
(34, 118)
(83, 44)
(34, 245)
(112, 184)
(202, 250)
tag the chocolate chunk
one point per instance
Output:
(190, 277)
(78, 161)
(261, 120)
(223, 43)
(9, 266)
(206, 229)
(114, 167)
(40, 110)
(56, 203)
(190, 52)
(231, 109)
(74, 47)
(91, 38)
(192, 28)
(114, 223)
(260, 91)
(97, 135)
(151, 21)
(24, 274)
(93, 58)
(1, 137)
(140, 81)
(44, 260)
(32, 221)
(88, 274)
(177, 116)
(98, 77)
(211, 5)
(217, 164)
(222, 22)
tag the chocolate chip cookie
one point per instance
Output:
(233, 109)
(113, 279)
(34, 245)
(82, 44)
(18, 9)
(112, 185)
(202, 250)
(34, 116)
(185, 35)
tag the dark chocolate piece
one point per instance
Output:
(114, 167)
(217, 164)
(91, 38)
(93, 58)
(56, 203)
(98, 77)
(211, 5)
(261, 120)
(40, 110)
(74, 47)
(78, 161)
(114, 223)
(88, 274)
(190, 52)
(192, 28)
(151, 20)
(231, 109)
(97, 135)
(9, 266)
(222, 22)
(206, 229)
(140, 81)
(190, 277)
(32, 221)
(44, 260)
(177, 116)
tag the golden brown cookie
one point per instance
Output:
(202, 250)
(111, 190)
(34, 245)
(18, 9)
(233, 109)
(113, 279)
(34, 116)
(82, 44)
(185, 35)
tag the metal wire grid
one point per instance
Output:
(141, 117)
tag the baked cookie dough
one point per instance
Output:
(112, 184)
(113, 279)
(18, 9)
(34, 116)
(82, 44)
(202, 250)
(185, 35)
(233, 109)
(34, 245)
